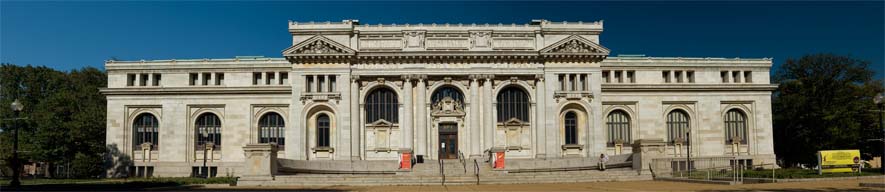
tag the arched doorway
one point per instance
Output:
(448, 112)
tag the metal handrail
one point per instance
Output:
(442, 171)
(476, 170)
(463, 161)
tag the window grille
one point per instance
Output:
(145, 129)
(272, 129)
(208, 130)
(618, 124)
(382, 104)
(513, 102)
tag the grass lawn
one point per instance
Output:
(113, 184)
(791, 173)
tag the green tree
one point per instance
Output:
(66, 116)
(823, 102)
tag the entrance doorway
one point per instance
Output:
(448, 141)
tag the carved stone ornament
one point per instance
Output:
(414, 39)
(575, 45)
(448, 107)
(318, 45)
(481, 39)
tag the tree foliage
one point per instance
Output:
(65, 114)
(823, 102)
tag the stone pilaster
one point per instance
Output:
(540, 129)
(355, 118)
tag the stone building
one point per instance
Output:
(347, 91)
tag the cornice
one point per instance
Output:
(197, 90)
(686, 87)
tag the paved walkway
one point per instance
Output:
(841, 185)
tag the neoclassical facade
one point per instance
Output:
(348, 91)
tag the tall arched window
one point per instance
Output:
(571, 128)
(208, 130)
(271, 129)
(513, 102)
(382, 104)
(145, 130)
(677, 126)
(735, 126)
(323, 130)
(444, 92)
(618, 123)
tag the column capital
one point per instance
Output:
(539, 77)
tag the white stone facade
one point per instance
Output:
(561, 66)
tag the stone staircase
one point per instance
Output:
(454, 176)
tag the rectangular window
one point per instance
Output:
(321, 83)
(193, 79)
(666, 76)
(690, 76)
(156, 80)
(584, 82)
(130, 79)
(605, 77)
(332, 83)
(256, 77)
(724, 76)
(748, 76)
(736, 76)
(142, 79)
(631, 76)
(618, 76)
(284, 78)
(678, 76)
(270, 78)
(309, 86)
(206, 78)
(561, 82)
(219, 78)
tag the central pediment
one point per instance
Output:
(318, 46)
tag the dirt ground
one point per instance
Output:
(841, 185)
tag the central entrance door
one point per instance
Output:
(448, 141)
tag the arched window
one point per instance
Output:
(382, 104)
(145, 130)
(444, 92)
(208, 130)
(271, 129)
(571, 128)
(322, 130)
(513, 102)
(618, 123)
(677, 126)
(735, 126)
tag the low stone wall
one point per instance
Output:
(565, 164)
(288, 166)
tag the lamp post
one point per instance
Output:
(880, 101)
(16, 173)
(688, 148)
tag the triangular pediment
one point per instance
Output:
(381, 123)
(575, 45)
(318, 46)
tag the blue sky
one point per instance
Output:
(70, 35)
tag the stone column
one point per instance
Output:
(355, 147)
(421, 117)
(541, 129)
(261, 160)
(488, 131)
(406, 120)
(475, 126)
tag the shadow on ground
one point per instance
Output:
(139, 187)
(795, 190)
